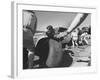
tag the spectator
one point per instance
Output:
(83, 38)
(74, 36)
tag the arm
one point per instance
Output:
(77, 21)
(80, 17)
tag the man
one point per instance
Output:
(79, 36)
(74, 36)
(29, 28)
(83, 38)
(50, 31)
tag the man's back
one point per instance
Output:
(29, 28)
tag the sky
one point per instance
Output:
(57, 19)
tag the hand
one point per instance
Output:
(67, 38)
(62, 34)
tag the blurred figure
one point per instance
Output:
(89, 30)
(79, 36)
(83, 38)
(29, 28)
(74, 36)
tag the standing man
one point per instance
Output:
(29, 28)
(74, 36)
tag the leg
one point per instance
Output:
(73, 43)
(31, 59)
(25, 58)
(86, 41)
(76, 43)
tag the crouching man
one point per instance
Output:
(56, 56)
